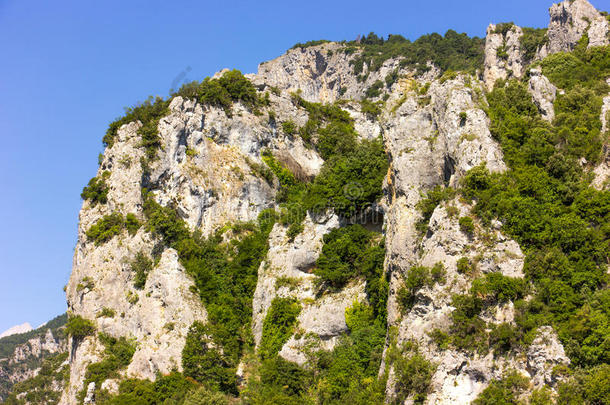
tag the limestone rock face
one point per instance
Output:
(543, 93)
(544, 353)
(324, 74)
(205, 169)
(503, 55)
(570, 20)
(286, 273)
(433, 130)
(602, 171)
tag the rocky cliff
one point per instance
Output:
(183, 183)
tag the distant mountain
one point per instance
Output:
(23, 328)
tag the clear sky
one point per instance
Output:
(68, 68)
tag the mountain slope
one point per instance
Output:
(360, 221)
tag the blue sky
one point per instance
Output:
(69, 67)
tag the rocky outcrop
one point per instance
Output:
(212, 185)
(543, 93)
(602, 171)
(434, 131)
(570, 20)
(36, 347)
(545, 353)
(324, 74)
(503, 55)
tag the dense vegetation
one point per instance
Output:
(173, 388)
(350, 179)
(278, 325)
(413, 371)
(453, 51)
(348, 163)
(231, 87)
(347, 374)
(225, 276)
(353, 252)
(545, 202)
(107, 227)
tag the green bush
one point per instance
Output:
(503, 28)
(464, 266)
(202, 396)
(105, 228)
(132, 224)
(289, 127)
(203, 362)
(467, 330)
(495, 287)
(278, 325)
(230, 88)
(428, 204)
(141, 265)
(370, 109)
(463, 117)
(309, 43)
(466, 225)
(79, 327)
(111, 225)
(413, 374)
(531, 40)
(586, 387)
(504, 338)
(350, 183)
(352, 252)
(375, 89)
(97, 190)
(505, 391)
(106, 313)
(417, 278)
(173, 388)
(586, 68)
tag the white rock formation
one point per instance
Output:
(543, 93)
(503, 55)
(571, 19)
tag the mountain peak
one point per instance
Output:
(23, 328)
